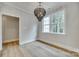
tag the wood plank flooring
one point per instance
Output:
(33, 49)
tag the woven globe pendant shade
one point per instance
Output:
(39, 13)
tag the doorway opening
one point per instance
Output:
(10, 30)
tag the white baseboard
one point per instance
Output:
(63, 46)
(69, 47)
(25, 42)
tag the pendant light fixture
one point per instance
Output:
(39, 12)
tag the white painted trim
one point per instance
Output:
(25, 42)
(63, 46)
(68, 47)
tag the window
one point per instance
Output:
(46, 24)
(54, 23)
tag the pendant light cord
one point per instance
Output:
(39, 3)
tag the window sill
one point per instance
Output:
(53, 33)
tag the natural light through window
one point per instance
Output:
(46, 24)
(54, 23)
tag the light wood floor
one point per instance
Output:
(33, 49)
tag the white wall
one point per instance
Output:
(71, 38)
(28, 25)
(0, 28)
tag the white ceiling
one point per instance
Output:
(30, 6)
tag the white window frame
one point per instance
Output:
(58, 25)
(46, 24)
